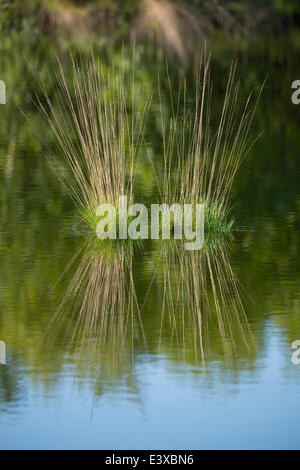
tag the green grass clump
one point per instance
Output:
(217, 220)
(100, 132)
(203, 152)
(98, 123)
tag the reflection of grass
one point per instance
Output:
(99, 314)
(101, 319)
(201, 300)
(201, 159)
(94, 112)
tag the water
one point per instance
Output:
(170, 349)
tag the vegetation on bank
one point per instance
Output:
(177, 26)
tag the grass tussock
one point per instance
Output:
(98, 123)
(202, 153)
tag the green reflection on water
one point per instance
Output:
(155, 299)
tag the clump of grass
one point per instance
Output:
(98, 123)
(201, 156)
(217, 218)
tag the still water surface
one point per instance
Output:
(149, 346)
